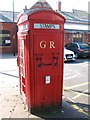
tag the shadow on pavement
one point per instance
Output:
(9, 74)
(77, 61)
(64, 112)
(84, 107)
(8, 56)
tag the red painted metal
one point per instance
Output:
(40, 57)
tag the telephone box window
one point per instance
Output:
(22, 68)
(5, 38)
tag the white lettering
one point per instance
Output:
(46, 26)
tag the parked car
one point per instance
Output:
(80, 49)
(69, 55)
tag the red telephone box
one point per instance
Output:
(40, 57)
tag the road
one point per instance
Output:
(76, 83)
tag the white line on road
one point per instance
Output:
(78, 85)
(72, 76)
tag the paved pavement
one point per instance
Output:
(11, 104)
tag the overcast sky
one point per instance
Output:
(67, 5)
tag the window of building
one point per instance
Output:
(78, 37)
(5, 38)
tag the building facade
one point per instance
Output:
(8, 37)
(8, 32)
(76, 27)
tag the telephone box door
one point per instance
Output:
(47, 66)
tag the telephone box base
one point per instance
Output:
(46, 110)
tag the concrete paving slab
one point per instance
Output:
(9, 103)
(5, 112)
(19, 114)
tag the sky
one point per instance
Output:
(66, 5)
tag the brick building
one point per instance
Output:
(76, 26)
(8, 32)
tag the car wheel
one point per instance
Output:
(76, 55)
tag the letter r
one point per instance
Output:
(52, 44)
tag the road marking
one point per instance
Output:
(74, 86)
(80, 94)
(77, 92)
(72, 76)
(70, 99)
(77, 107)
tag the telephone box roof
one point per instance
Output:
(38, 6)
(41, 4)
